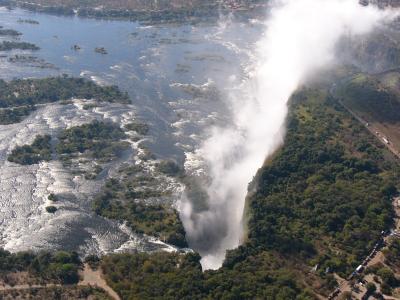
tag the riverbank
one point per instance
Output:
(193, 12)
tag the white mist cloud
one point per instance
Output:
(300, 38)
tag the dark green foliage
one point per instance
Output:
(158, 276)
(321, 199)
(169, 167)
(386, 289)
(142, 11)
(15, 262)
(101, 139)
(14, 115)
(21, 92)
(28, 21)
(387, 276)
(51, 209)
(52, 197)
(40, 150)
(60, 267)
(367, 95)
(8, 46)
(392, 253)
(19, 97)
(93, 261)
(118, 201)
(57, 293)
(49, 9)
(319, 189)
(371, 288)
(177, 276)
(140, 128)
(10, 32)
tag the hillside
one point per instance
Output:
(375, 99)
(317, 209)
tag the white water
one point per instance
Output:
(300, 38)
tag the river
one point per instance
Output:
(178, 77)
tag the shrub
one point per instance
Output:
(51, 209)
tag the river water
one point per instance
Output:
(178, 77)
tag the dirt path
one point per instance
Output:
(358, 290)
(94, 278)
(90, 278)
(374, 131)
(378, 257)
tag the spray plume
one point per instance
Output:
(299, 38)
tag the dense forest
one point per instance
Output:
(19, 97)
(327, 191)
(96, 140)
(57, 292)
(14, 115)
(8, 46)
(58, 270)
(369, 96)
(21, 92)
(125, 200)
(9, 32)
(39, 150)
(99, 140)
(55, 267)
(319, 204)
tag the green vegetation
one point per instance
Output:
(51, 209)
(384, 275)
(140, 128)
(14, 115)
(19, 97)
(175, 276)
(40, 150)
(369, 96)
(322, 199)
(57, 267)
(9, 32)
(93, 261)
(89, 106)
(21, 92)
(327, 192)
(121, 200)
(60, 293)
(99, 140)
(371, 288)
(392, 253)
(8, 46)
(144, 11)
(169, 167)
(52, 197)
(28, 21)
(387, 277)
